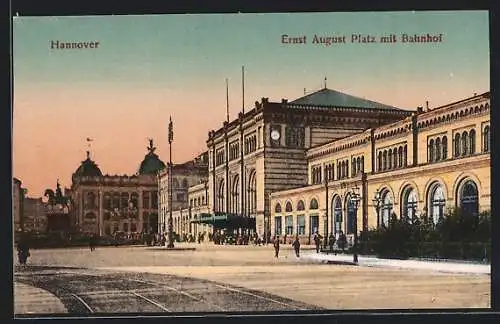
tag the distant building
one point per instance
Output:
(187, 179)
(424, 164)
(35, 215)
(264, 150)
(17, 203)
(106, 204)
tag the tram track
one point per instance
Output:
(87, 292)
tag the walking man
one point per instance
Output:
(276, 246)
(296, 246)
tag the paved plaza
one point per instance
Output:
(212, 278)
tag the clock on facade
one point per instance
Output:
(275, 135)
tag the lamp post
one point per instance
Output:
(377, 200)
(355, 201)
(170, 219)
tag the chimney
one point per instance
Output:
(475, 94)
(420, 110)
(284, 101)
(426, 105)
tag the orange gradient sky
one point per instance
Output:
(150, 68)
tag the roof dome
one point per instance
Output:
(88, 168)
(151, 163)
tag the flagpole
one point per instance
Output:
(227, 101)
(243, 88)
(170, 182)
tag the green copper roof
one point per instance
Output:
(88, 168)
(328, 97)
(151, 164)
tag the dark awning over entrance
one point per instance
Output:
(225, 220)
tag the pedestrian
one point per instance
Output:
(317, 241)
(92, 242)
(23, 251)
(296, 246)
(276, 244)
(331, 242)
(342, 241)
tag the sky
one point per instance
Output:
(148, 68)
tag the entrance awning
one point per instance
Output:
(225, 220)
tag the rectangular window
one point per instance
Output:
(289, 225)
(314, 224)
(301, 225)
(277, 225)
(145, 199)
(125, 227)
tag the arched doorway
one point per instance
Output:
(409, 204)
(437, 202)
(469, 203)
(386, 210)
(351, 213)
(337, 215)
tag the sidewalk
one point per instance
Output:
(32, 300)
(369, 261)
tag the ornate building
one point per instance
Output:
(105, 204)
(186, 179)
(264, 150)
(427, 163)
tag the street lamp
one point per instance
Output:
(355, 201)
(377, 202)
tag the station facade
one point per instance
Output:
(425, 164)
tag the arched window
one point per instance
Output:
(394, 158)
(405, 156)
(438, 149)
(337, 215)
(339, 171)
(486, 139)
(437, 202)
(351, 214)
(124, 198)
(385, 161)
(358, 165)
(430, 150)
(400, 156)
(379, 161)
(288, 207)
(220, 196)
(175, 183)
(353, 167)
(252, 190)
(313, 204)
(386, 210)
(409, 204)
(469, 199)
(457, 145)
(347, 168)
(235, 195)
(389, 159)
(134, 199)
(444, 143)
(300, 205)
(362, 164)
(277, 208)
(464, 143)
(472, 141)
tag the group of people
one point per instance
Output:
(341, 243)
